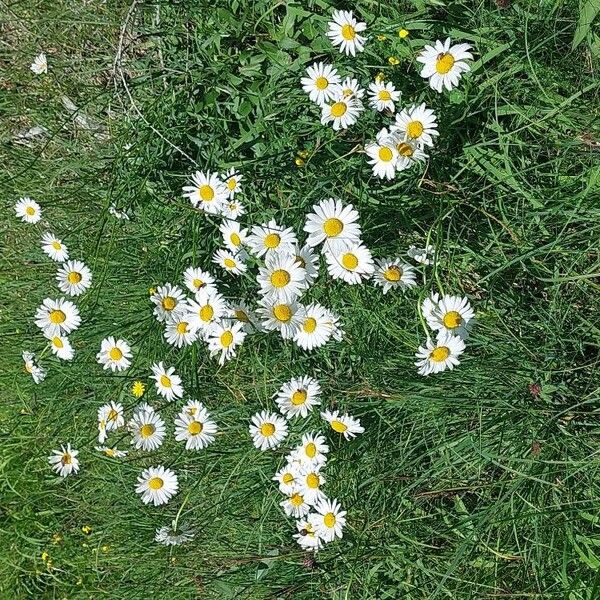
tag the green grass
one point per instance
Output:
(464, 485)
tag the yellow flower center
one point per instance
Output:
(272, 240)
(414, 129)
(169, 303)
(384, 95)
(235, 239)
(147, 430)
(296, 499)
(301, 262)
(182, 327)
(206, 313)
(329, 519)
(452, 319)
(30, 211)
(74, 277)
(29, 367)
(282, 312)
(240, 315)
(110, 452)
(206, 193)
(57, 342)
(57, 316)
(348, 32)
(115, 354)
(299, 397)
(339, 109)
(195, 427)
(155, 483)
(311, 450)
(312, 481)
(165, 381)
(229, 263)
(440, 354)
(287, 478)
(66, 459)
(405, 149)
(226, 339)
(309, 325)
(321, 83)
(349, 261)
(56, 245)
(385, 154)
(392, 273)
(338, 426)
(112, 415)
(198, 283)
(333, 227)
(280, 278)
(267, 429)
(444, 63)
(231, 184)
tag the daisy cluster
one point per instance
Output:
(340, 97)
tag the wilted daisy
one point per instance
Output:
(444, 64)
(452, 314)
(307, 536)
(282, 278)
(157, 485)
(207, 308)
(351, 87)
(295, 505)
(322, 82)
(312, 450)
(314, 329)
(196, 279)
(207, 192)
(287, 478)
(147, 429)
(54, 248)
(55, 317)
(393, 273)
(297, 397)
(61, 347)
(168, 384)
(417, 123)
(279, 316)
(64, 461)
(351, 264)
(232, 180)
(179, 332)
(111, 452)
(114, 354)
(234, 237)
(342, 111)
(28, 210)
(37, 373)
(328, 519)
(343, 31)
(271, 237)
(409, 153)
(173, 535)
(197, 430)
(440, 355)
(382, 96)
(424, 256)
(232, 209)
(383, 155)
(232, 263)
(268, 430)
(74, 278)
(310, 481)
(223, 338)
(40, 64)
(348, 426)
(169, 301)
(333, 223)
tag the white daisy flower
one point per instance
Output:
(268, 430)
(37, 373)
(393, 273)
(333, 223)
(444, 64)
(223, 338)
(409, 153)
(334, 324)
(168, 384)
(234, 237)
(342, 111)
(282, 278)
(328, 520)
(383, 95)
(196, 279)
(207, 308)
(112, 415)
(322, 83)
(192, 407)
(40, 64)
(295, 505)
(61, 347)
(297, 397)
(307, 536)
(287, 478)
(56, 317)
(313, 450)
(351, 264)
(424, 256)
(242, 313)
(348, 426)
(198, 430)
(28, 210)
(180, 332)
(429, 305)
(452, 314)
(147, 430)
(232, 263)
(157, 485)
(310, 481)
(351, 87)
(54, 248)
(343, 31)
(309, 261)
(169, 302)
(74, 278)
(207, 192)
(271, 237)
(111, 452)
(417, 123)
(232, 209)
(279, 316)
(232, 180)
(314, 329)
(440, 355)
(174, 535)
(383, 155)
(114, 354)
(64, 461)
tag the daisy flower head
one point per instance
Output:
(279, 316)
(197, 430)
(351, 87)
(196, 279)
(328, 519)
(192, 407)
(297, 397)
(223, 338)
(287, 478)
(54, 248)
(114, 354)
(169, 301)
(74, 278)
(343, 31)
(409, 153)
(452, 314)
(307, 536)
(418, 124)
(383, 96)
(61, 347)
(168, 384)
(424, 256)
(295, 505)
(334, 324)
(309, 261)
(28, 210)
(57, 317)
(314, 329)
(147, 429)
(157, 485)
(111, 452)
(40, 64)
(435, 357)
(179, 332)
(310, 481)
(444, 64)
(64, 461)
(234, 237)
(393, 273)
(333, 223)
(383, 155)
(282, 278)
(207, 192)
(174, 535)
(230, 262)
(37, 373)
(112, 415)
(265, 239)
(232, 180)
(204, 310)
(313, 450)
(351, 264)
(322, 83)
(232, 209)
(342, 111)
(268, 430)
(242, 313)
(348, 426)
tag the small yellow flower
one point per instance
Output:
(379, 77)
(394, 60)
(152, 291)
(86, 529)
(138, 389)
(381, 38)
(303, 153)
(105, 549)
(49, 564)
(57, 538)
(45, 556)
(299, 162)
(403, 33)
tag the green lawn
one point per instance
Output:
(482, 482)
